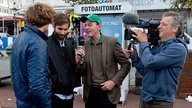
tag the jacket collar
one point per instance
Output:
(29, 27)
(100, 41)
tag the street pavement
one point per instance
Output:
(7, 98)
(4, 65)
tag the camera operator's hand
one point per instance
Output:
(141, 36)
(128, 53)
(80, 53)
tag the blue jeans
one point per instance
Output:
(156, 104)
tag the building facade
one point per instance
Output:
(5, 7)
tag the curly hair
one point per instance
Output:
(39, 15)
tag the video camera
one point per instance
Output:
(151, 26)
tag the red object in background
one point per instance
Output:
(110, 1)
(10, 18)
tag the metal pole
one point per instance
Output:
(3, 24)
(14, 17)
(14, 24)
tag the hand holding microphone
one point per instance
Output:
(80, 53)
(128, 53)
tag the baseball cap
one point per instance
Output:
(92, 18)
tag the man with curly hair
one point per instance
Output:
(30, 73)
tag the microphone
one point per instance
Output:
(81, 42)
(130, 19)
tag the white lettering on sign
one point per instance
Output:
(141, 2)
(110, 23)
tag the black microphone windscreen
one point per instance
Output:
(81, 41)
(130, 19)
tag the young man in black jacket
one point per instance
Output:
(62, 63)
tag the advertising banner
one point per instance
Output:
(111, 26)
(7, 41)
(106, 1)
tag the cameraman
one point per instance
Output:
(162, 64)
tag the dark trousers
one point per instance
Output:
(156, 104)
(59, 103)
(98, 99)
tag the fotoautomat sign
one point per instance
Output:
(105, 8)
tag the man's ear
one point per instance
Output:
(175, 29)
(53, 26)
(100, 25)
